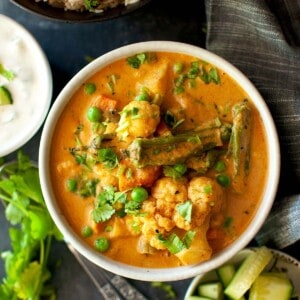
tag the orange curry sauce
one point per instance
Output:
(166, 80)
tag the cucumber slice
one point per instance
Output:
(198, 298)
(249, 270)
(226, 273)
(5, 96)
(213, 290)
(270, 286)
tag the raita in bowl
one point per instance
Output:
(25, 86)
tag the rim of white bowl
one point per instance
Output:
(42, 63)
(156, 274)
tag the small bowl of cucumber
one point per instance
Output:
(252, 274)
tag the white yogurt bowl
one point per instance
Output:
(158, 274)
(30, 87)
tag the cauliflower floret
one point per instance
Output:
(168, 193)
(180, 222)
(138, 119)
(170, 190)
(150, 231)
(199, 250)
(164, 222)
(206, 196)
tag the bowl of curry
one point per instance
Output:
(159, 161)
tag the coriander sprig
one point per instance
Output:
(31, 233)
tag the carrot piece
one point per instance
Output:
(104, 103)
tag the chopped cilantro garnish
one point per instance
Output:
(173, 242)
(137, 60)
(207, 189)
(132, 207)
(185, 210)
(210, 76)
(106, 202)
(80, 158)
(144, 95)
(197, 69)
(176, 171)
(103, 212)
(91, 4)
(188, 238)
(108, 157)
(87, 187)
(194, 70)
(89, 88)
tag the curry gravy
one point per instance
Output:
(196, 104)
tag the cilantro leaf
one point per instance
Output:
(91, 4)
(137, 60)
(185, 210)
(188, 238)
(26, 277)
(132, 207)
(108, 157)
(104, 204)
(176, 171)
(173, 242)
(28, 287)
(103, 212)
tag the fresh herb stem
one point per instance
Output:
(31, 233)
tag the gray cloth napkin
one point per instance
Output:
(262, 39)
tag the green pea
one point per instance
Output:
(72, 184)
(94, 114)
(102, 244)
(139, 194)
(220, 166)
(223, 180)
(86, 231)
(89, 88)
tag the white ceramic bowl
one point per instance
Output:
(31, 87)
(173, 273)
(281, 262)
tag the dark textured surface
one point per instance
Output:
(67, 46)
